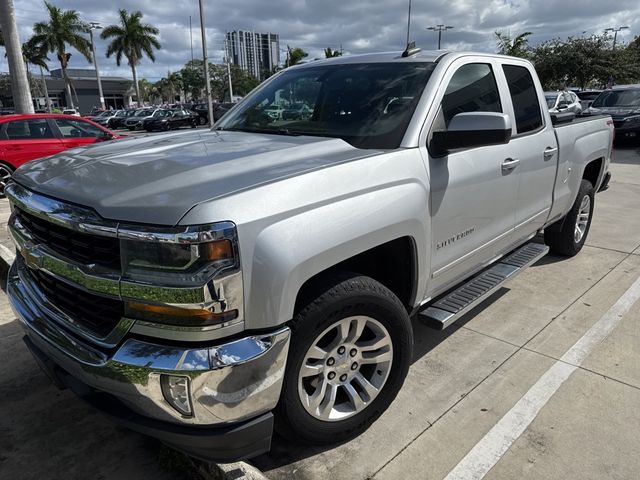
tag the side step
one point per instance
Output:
(455, 304)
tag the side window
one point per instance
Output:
(77, 128)
(524, 97)
(33, 129)
(472, 88)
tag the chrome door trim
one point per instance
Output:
(532, 218)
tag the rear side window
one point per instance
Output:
(33, 129)
(524, 97)
(472, 88)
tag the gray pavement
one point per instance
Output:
(462, 383)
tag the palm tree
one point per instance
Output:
(131, 39)
(328, 53)
(63, 28)
(34, 54)
(295, 55)
(515, 47)
(18, 75)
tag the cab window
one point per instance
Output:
(524, 97)
(472, 88)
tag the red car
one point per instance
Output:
(29, 137)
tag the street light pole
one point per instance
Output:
(96, 26)
(615, 34)
(207, 86)
(440, 28)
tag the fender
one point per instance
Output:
(290, 252)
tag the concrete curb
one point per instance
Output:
(7, 256)
(239, 471)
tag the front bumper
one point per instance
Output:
(228, 383)
(221, 444)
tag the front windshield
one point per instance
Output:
(551, 100)
(366, 105)
(144, 113)
(618, 98)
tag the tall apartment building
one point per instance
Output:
(257, 53)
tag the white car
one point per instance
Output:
(71, 111)
(563, 102)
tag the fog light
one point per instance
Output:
(176, 391)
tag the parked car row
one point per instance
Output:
(623, 104)
(29, 137)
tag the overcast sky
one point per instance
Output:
(355, 25)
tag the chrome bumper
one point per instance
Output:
(229, 383)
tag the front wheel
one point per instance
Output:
(567, 237)
(351, 348)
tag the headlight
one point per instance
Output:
(182, 259)
(177, 257)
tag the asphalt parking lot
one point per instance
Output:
(542, 381)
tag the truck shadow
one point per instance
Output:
(283, 452)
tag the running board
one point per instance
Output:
(454, 305)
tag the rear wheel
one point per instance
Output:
(350, 351)
(568, 236)
(5, 175)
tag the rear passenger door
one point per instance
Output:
(472, 204)
(534, 143)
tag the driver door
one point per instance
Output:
(473, 196)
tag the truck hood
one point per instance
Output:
(157, 179)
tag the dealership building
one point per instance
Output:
(118, 91)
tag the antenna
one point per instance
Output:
(408, 22)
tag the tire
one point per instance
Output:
(353, 300)
(5, 174)
(565, 237)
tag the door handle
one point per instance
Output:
(509, 164)
(549, 152)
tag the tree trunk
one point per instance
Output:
(67, 80)
(46, 90)
(136, 86)
(19, 82)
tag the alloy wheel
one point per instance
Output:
(345, 368)
(582, 220)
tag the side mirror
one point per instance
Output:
(472, 129)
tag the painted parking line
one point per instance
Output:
(490, 449)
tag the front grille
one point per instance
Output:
(80, 247)
(95, 313)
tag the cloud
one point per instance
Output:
(356, 26)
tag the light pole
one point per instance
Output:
(96, 26)
(207, 86)
(440, 29)
(615, 33)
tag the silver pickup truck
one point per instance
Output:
(205, 286)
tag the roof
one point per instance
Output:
(382, 57)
